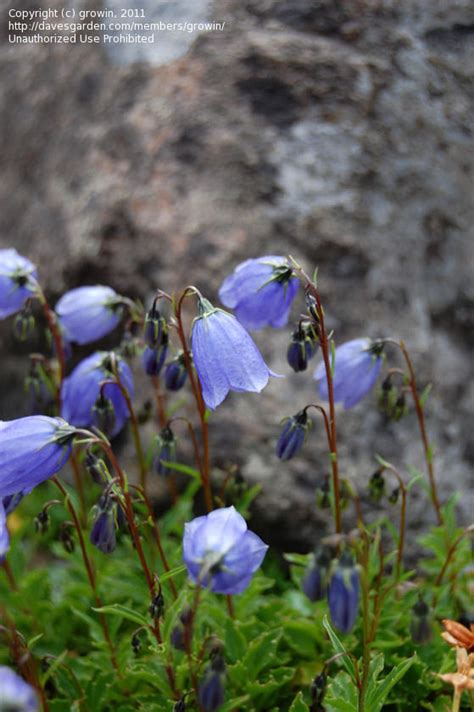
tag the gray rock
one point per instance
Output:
(339, 132)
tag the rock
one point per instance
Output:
(339, 132)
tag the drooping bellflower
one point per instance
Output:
(15, 694)
(17, 281)
(220, 553)
(103, 530)
(260, 291)
(302, 347)
(316, 579)
(293, 435)
(176, 373)
(32, 449)
(225, 356)
(357, 366)
(88, 313)
(164, 451)
(211, 689)
(81, 390)
(343, 593)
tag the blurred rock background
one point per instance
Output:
(339, 131)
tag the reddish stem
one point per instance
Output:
(196, 388)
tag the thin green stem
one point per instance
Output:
(89, 570)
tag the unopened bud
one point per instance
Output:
(104, 414)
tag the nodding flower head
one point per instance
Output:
(15, 694)
(18, 281)
(316, 579)
(88, 313)
(155, 327)
(211, 689)
(176, 373)
(302, 347)
(165, 451)
(343, 593)
(357, 366)
(32, 449)
(293, 435)
(225, 356)
(260, 291)
(81, 390)
(103, 530)
(220, 553)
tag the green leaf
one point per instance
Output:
(116, 609)
(339, 648)
(342, 695)
(298, 704)
(261, 653)
(172, 573)
(424, 395)
(377, 698)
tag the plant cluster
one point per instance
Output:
(104, 605)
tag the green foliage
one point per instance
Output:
(277, 643)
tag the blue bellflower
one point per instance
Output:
(211, 689)
(88, 313)
(31, 450)
(17, 281)
(260, 291)
(357, 366)
(293, 435)
(15, 694)
(176, 373)
(225, 356)
(103, 530)
(220, 553)
(153, 359)
(343, 593)
(82, 388)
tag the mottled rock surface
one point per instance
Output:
(339, 132)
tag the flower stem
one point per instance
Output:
(160, 402)
(456, 700)
(320, 327)
(90, 571)
(78, 482)
(134, 426)
(403, 510)
(201, 407)
(365, 627)
(53, 327)
(428, 451)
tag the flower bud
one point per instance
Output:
(24, 324)
(312, 307)
(39, 389)
(153, 359)
(176, 374)
(316, 579)
(104, 414)
(66, 538)
(377, 486)
(293, 435)
(103, 531)
(155, 327)
(42, 521)
(180, 705)
(318, 690)
(393, 496)
(96, 468)
(302, 347)
(420, 626)
(322, 494)
(211, 689)
(157, 606)
(165, 451)
(343, 593)
(136, 643)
